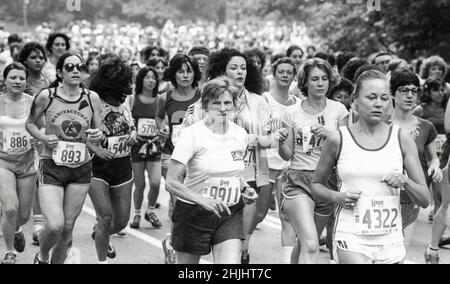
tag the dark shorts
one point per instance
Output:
(196, 230)
(51, 174)
(296, 183)
(443, 157)
(410, 212)
(114, 173)
(145, 153)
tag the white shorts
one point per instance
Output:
(379, 254)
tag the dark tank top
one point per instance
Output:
(176, 111)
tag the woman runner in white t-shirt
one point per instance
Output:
(209, 211)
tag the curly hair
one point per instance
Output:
(343, 85)
(258, 53)
(152, 62)
(305, 70)
(432, 61)
(176, 63)
(51, 39)
(218, 65)
(113, 79)
(349, 70)
(140, 80)
(432, 85)
(27, 49)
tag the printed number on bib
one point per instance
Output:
(307, 140)
(378, 215)
(176, 132)
(16, 141)
(118, 146)
(227, 190)
(440, 140)
(146, 127)
(69, 154)
(250, 156)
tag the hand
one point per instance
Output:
(435, 173)
(164, 134)
(252, 140)
(215, 206)
(349, 199)
(283, 134)
(249, 195)
(142, 139)
(51, 141)
(94, 136)
(34, 142)
(320, 130)
(132, 138)
(103, 154)
(395, 180)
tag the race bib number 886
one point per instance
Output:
(16, 141)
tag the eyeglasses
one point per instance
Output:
(405, 91)
(70, 67)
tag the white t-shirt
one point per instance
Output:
(306, 155)
(208, 155)
(278, 110)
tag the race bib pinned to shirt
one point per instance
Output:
(176, 132)
(15, 141)
(147, 127)
(306, 140)
(227, 190)
(377, 215)
(118, 146)
(69, 154)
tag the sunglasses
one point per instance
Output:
(70, 67)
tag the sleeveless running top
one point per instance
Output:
(175, 111)
(68, 120)
(15, 140)
(376, 219)
(144, 117)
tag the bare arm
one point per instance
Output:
(447, 119)
(434, 170)
(286, 147)
(161, 112)
(415, 183)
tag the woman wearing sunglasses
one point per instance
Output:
(72, 117)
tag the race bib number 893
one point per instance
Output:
(69, 154)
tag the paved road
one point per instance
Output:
(144, 246)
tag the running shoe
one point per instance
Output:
(431, 257)
(157, 205)
(111, 251)
(19, 242)
(10, 258)
(136, 224)
(169, 252)
(444, 241)
(37, 261)
(153, 219)
(245, 260)
(121, 234)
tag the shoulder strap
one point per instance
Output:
(88, 95)
(51, 97)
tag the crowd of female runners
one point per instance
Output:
(354, 151)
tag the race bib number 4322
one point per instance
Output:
(16, 141)
(118, 146)
(69, 154)
(378, 215)
(227, 190)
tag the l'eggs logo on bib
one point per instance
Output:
(378, 215)
(69, 154)
(227, 190)
(15, 141)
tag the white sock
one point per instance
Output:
(150, 209)
(103, 262)
(287, 253)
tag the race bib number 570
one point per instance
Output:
(378, 215)
(146, 127)
(69, 154)
(227, 190)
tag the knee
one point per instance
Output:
(139, 186)
(10, 210)
(154, 186)
(104, 220)
(121, 223)
(310, 246)
(24, 216)
(55, 228)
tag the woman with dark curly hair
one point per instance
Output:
(259, 60)
(184, 74)
(57, 45)
(146, 154)
(112, 181)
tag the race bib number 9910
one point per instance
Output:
(146, 127)
(118, 146)
(227, 190)
(16, 141)
(69, 154)
(378, 215)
